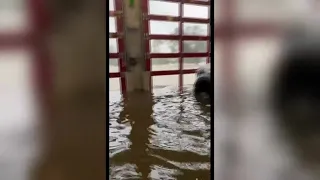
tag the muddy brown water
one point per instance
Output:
(161, 136)
(165, 135)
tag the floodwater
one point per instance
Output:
(161, 136)
(164, 136)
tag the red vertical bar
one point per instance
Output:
(146, 24)
(228, 50)
(120, 31)
(40, 22)
(180, 46)
(209, 33)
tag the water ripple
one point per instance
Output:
(164, 136)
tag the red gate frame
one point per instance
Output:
(118, 14)
(41, 22)
(180, 37)
(228, 31)
(34, 40)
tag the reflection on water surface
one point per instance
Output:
(164, 136)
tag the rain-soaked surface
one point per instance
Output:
(164, 136)
(161, 136)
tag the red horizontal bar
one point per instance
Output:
(173, 72)
(114, 55)
(177, 19)
(206, 3)
(177, 37)
(164, 55)
(176, 55)
(114, 13)
(114, 75)
(194, 55)
(115, 35)
(159, 73)
(257, 29)
(14, 40)
(222, 30)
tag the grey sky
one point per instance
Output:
(267, 10)
(13, 17)
(248, 10)
(168, 9)
(249, 50)
(276, 11)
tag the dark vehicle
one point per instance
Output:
(202, 85)
(296, 93)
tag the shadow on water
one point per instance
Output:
(159, 136)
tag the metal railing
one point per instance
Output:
(33, 39)
(118, 13)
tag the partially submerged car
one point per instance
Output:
(202, 85)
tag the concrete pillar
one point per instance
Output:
(136, 76)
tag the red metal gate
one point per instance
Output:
(227, 31)
(33, 40)
(41, 22)
(117, 13)
(180, 37)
